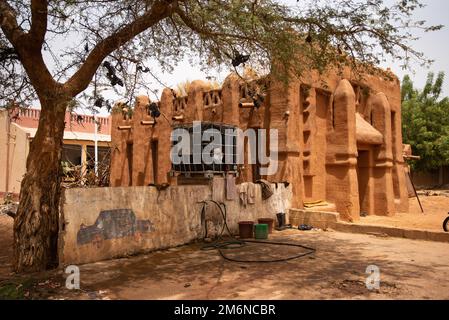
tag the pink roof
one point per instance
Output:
(29, 118)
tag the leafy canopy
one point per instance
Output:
(425, 122)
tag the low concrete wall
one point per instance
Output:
(317, 219)
(104, 223)
(330, 220)
(392, 232)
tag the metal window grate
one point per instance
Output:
(228, 149)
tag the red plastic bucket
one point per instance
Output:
(246, 229)
(268, 221)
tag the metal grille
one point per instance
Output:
(228, 148)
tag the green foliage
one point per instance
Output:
(11, 292)
(15, 289)
(425, 122)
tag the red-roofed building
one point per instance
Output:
(18, 128)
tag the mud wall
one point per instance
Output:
(339, 137)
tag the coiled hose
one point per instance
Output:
(221, 244)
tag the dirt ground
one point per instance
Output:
(436, 209)
(337, 270)
(408, 270)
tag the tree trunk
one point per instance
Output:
(37, 221)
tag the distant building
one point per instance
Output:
(430, 179)
(18, 128)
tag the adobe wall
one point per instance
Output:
(340, 137)
(331, 108)
(387, 160)
(164, 219)
(431, 179)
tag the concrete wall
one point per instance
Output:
(19, 148)
(12, 169)
(141, 219)
(3, 146)
(431, 178)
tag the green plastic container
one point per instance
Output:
(261, 231)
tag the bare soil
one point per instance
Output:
(436, 209)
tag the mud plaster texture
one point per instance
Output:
(340, 138)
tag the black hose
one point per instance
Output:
(221, 244)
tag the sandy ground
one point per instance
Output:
(337, 270)
(408, 270)
(436, 209)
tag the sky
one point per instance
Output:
(434, 45)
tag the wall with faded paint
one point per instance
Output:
(103, 223)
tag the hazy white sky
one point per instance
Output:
(435, 45)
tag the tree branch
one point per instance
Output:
(39, 15)
(8, 23)
(81, 79)
(203, 30)
(28, 48)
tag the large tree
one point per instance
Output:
(425, 122)
(55, 49)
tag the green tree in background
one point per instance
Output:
(425, 122)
